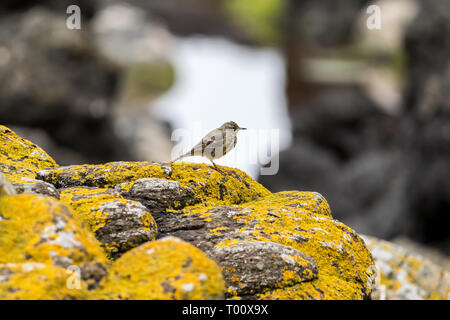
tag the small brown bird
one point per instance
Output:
(216, 143)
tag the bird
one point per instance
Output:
(216, 143)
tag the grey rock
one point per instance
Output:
(124, 227)
(159, 194)
(406, 275)
(37, 187)
(6, 188)
(119, 224)
(260, 265)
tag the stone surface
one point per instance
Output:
(405, 275)
(329, 260)
(165, 269)
(250, 267)
(118, 224)
(207, 185)
(37, 187)
(6, 188)
(20, 157)
(40, 231)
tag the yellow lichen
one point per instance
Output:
(209, 186)
(87, 205)
(33, 226)
(163, 269)
(20, 157)
(341, 256)
(37, 281)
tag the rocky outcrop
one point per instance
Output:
(405, 275)
(220, 235)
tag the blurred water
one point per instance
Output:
(219, 81)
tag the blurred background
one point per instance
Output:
(363, 115)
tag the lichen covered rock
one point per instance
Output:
(34, 186)
(40, 230)
(36, 281)
(119, 224)
(253, 266)
(165, 269)
(403, 275)
(223, 235)
(20, 157)
(328, 259)
(206, 184)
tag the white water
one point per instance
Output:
(219, 81)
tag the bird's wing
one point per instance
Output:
(210, 144)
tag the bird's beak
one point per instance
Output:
(242, 128)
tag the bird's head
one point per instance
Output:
(231, 125)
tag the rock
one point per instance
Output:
(328, 258)
(118, 224)
(426, 124)
(6, 188)
(254, 266)
(404, 275)
(54, 79)
(36, 281)
(233, 238)
(37, 187)
(20, 157)
(158, 195)
(207, 185)
(40, 231)
(165, 269)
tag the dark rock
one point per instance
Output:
(261, 265)
(54, 79)
(427, 123)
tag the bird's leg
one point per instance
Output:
(216, 167)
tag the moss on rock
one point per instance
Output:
(165, 269)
